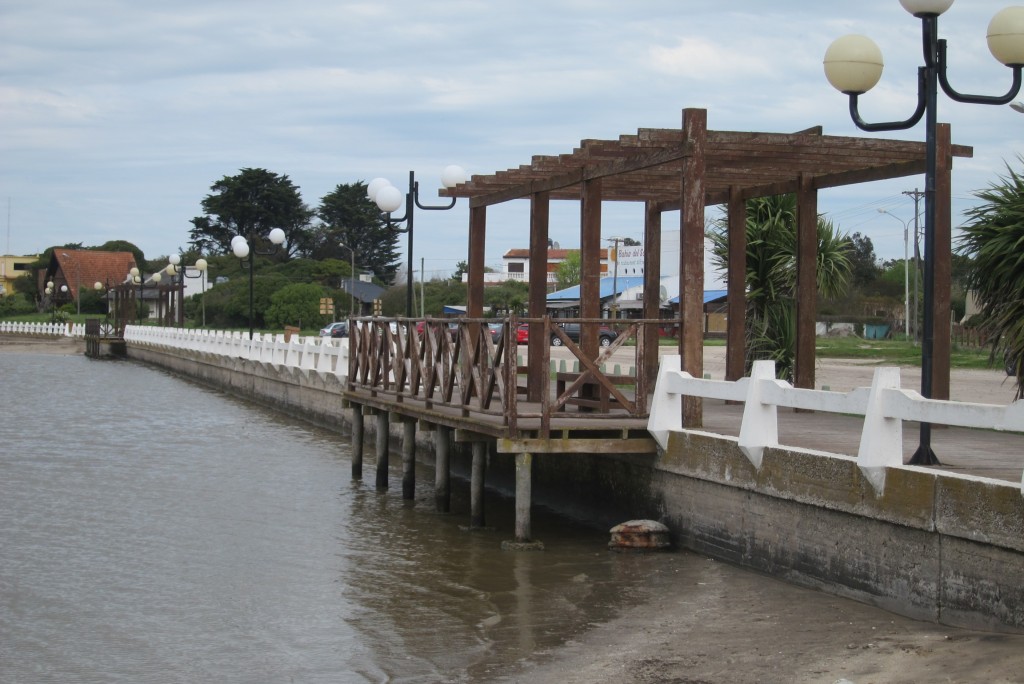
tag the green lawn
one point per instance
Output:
(899, 352)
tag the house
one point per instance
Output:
(364, 293)
(11, 268)
(73, 271)
(516, 266)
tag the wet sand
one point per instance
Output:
(705, 622)
(24, 344)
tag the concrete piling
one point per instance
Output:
(442, 468)
(357, 442)
(524, 496)
(409, 460)
(382, 450)
(476, 485)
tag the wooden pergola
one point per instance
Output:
(686, 170)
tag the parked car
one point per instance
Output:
(572, 330)
(453, 328)
(339, 329)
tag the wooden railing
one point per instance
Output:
(475, 365)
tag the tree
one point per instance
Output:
(254, 202)
(123, 246)
(994, 238)
(460, 268)
(863, 261)
(296, 304)
(568, 272)
(771, 275)
(508, 297)
(351, 220)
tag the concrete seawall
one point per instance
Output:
(934, 546)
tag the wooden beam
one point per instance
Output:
(590, 263)
(575, 176)
(806, 282)
(652, 290)
(540, 204)
(736, 332)
(691, 259)
(477, 244)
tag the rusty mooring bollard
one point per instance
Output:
(639, 535)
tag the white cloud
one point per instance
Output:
(695, 58)
(119, 115)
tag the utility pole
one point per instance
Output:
(917, 196)
(615, 277)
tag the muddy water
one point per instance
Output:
(152, 530)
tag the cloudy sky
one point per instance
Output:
(117, 116)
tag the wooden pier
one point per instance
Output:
(467, 383)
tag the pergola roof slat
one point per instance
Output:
(647, 166)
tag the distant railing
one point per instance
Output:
(884, 407)
(321, 354)
(52, 329)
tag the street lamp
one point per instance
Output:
(906, 269)
(244, 248)
(389, 198)
(174, 261)
(136, 279)
(853, 65)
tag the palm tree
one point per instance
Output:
(994, 239)
(771, 275)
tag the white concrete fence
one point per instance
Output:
(50, 329)
(884, 407)
(321, 354)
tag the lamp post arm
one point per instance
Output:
(922, 104)
(977, 99)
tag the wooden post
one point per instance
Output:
(691, 259)
(590, 263)
(942, 264)
(652, 290)
(476, 485)
(357, 441)
(442, 468)
(806, 282)
(409, 459)
(539, 218)
(736, 342)
(477, 243)
(382, 450)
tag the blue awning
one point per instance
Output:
(710, 297)
(609, 285)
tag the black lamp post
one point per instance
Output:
(245, 248)
(175, 268)
(389, 198)
(853, 65)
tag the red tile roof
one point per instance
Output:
(86, 266)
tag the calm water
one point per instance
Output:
(152, 530)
